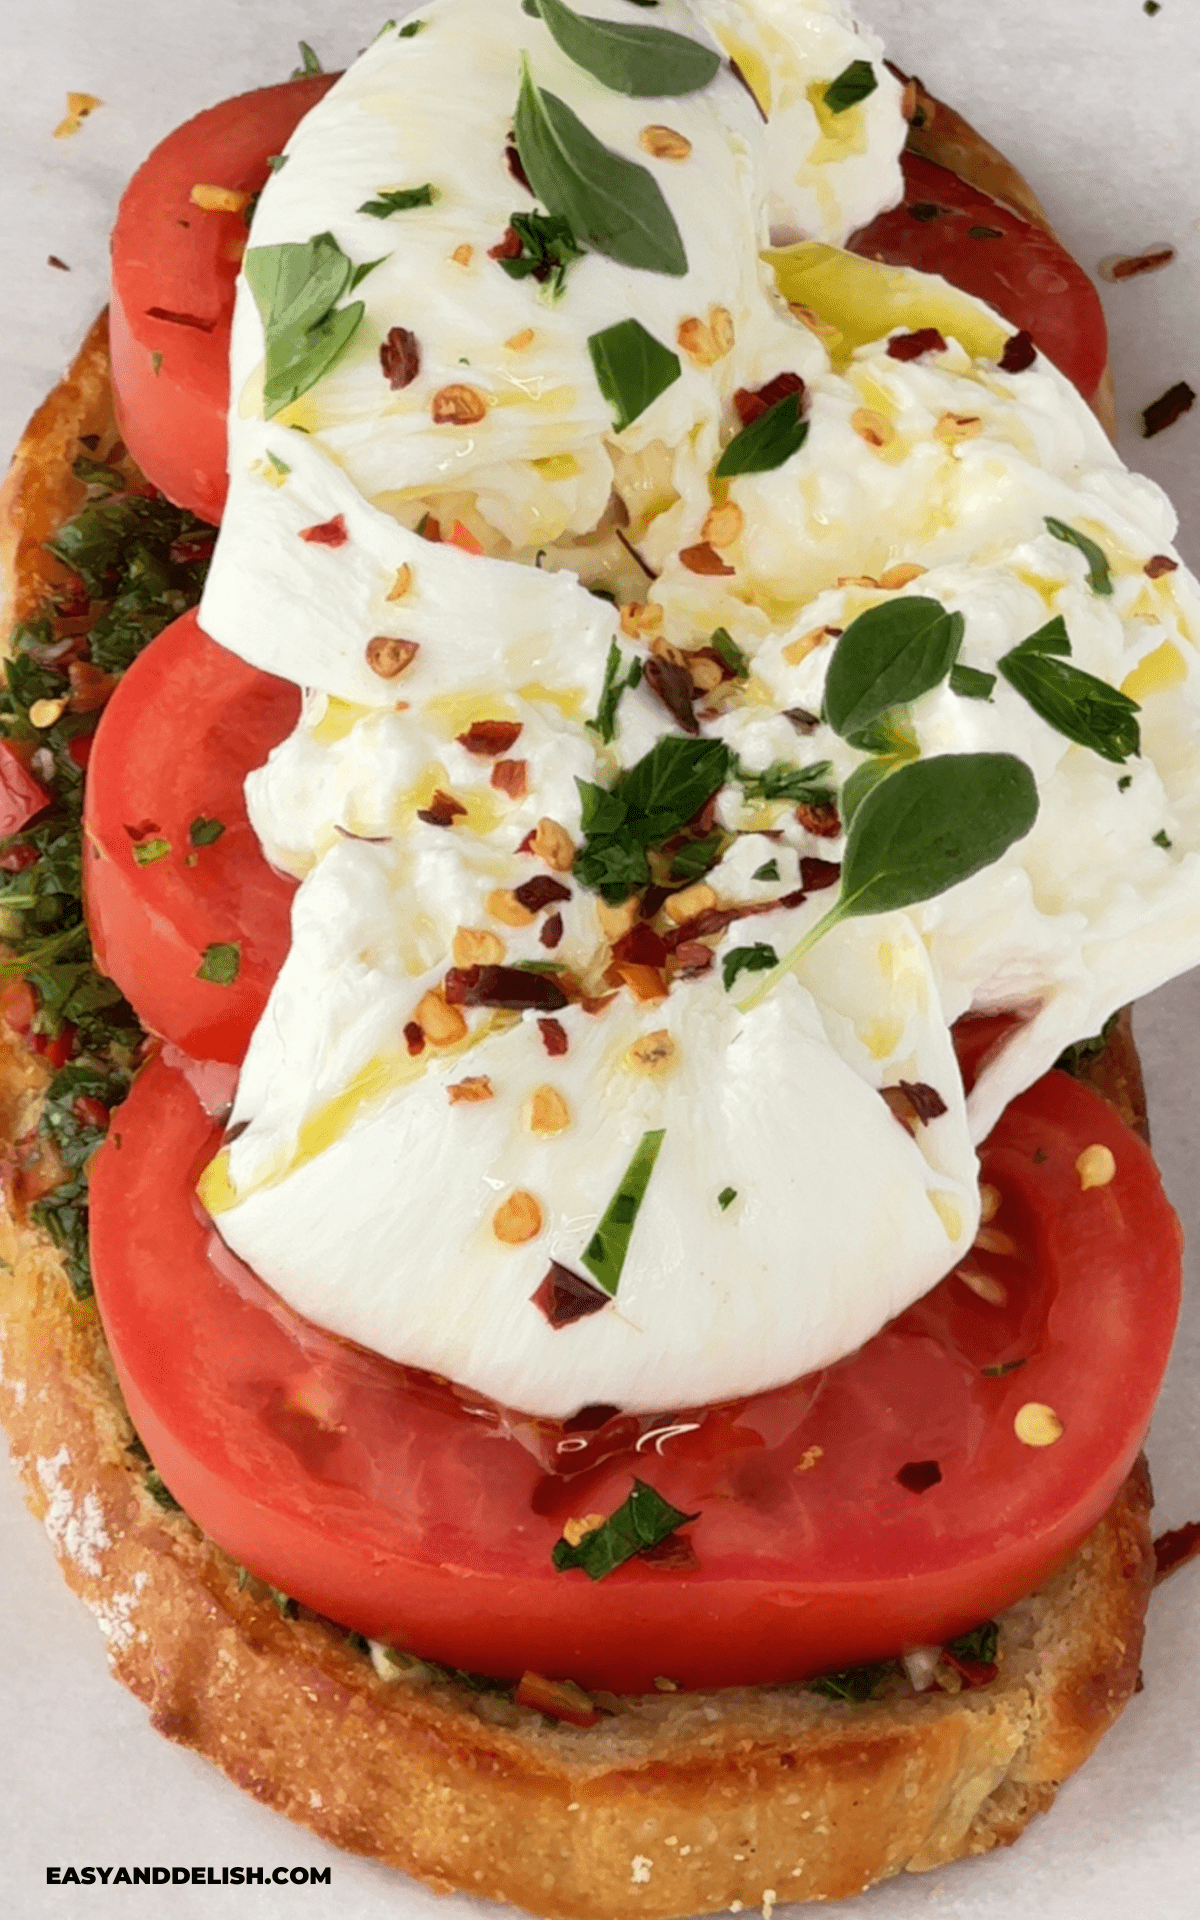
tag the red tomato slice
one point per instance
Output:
(21, 796)
(156, 901)
(174, 269)
(1021, 271)
(884, 1503)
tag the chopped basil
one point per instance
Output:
(755, 959)
(695, 857)
(854, 83)
(644, 1520)
(147, 853)
(548, 248)
(95, 475)
(632, 369)
(782, 781)
(617, 677)
(1074, 1059)
(982, 1641)
(398, 200)
(726, 1198)
(768, 871)
(1003, 1367)
(648, 804)
(970, 683)
(296, 287)
(221, 963)
(726, 648)
(1124, 783)
(310, 63)
(1074, 703)
(856, 1684)
(767, 442)
(1163, 839)
(356, 279)
(889, 655)
(636, 60)
(606, 1251)
(281, 466)
(277, 161)
(608, 201)
(409, 28)
(203, 831)
(1099, 577)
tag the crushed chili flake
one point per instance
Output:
(180, 319)
(750, 402)
(693, 957)
(820, 817)
(1175, 1549)
(1167, 409)
(552, 930)
(641, 946)
(799, 717)
(516, 165)
(564, 1296)
(703, 558)
(511, 777)
(414, 1038)
(388, 658)
(554, 1037)
(913, 1103)
(1019, 352)
(542, 891)
(816, 875)
(672, 684)
(910, 346)
(1158, 564)
(1128, 265)
(515, 988)
(52, 260)
(400, 358)
(917, 1476)
(469, 1092)
(443, 810)
(972, 1673)
(508, 248)
(328, 533)
(486, 738)
(430, 529)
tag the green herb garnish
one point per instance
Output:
(203, 831)
(856, 1684)
(398, 200)
(767, 442)
(548, 249)
(768, 871)
(617, 677)
(1163, 839)
(726, 649)
(145, 560)
(606, 1251)
(726, 1198)
(309, 63)
(296, 287)
(632, 369)
(1074, 1059)
(783, 781)
(930, 824)
(630, 59)
(854, 83)
(613, 205)
(648, 805)
(1000, 1369)
(695, 857)
(147, 853)
(970, 683)
(982, 1641)
(755, 959)
(1074, 703)
(96, 477)
(221, 963)
(1099, 577)
(73, 1120)
(889, 655)
(409, 28)
(644, 1520)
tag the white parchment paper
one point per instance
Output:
(1095, 101)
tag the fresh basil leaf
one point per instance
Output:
(669, 784)
(300, 360)
(296, 286)
(861, 782)
(630, 59)
(205, 832)
(933, 824)
(398, 200)
(221, 963)
(1099, 577)
(726, 648)
(889, 655)
(783, 781)
(617, 677)
(644, 1520)
(695, 857)
(755, 959)
(767, 442)
(1052, 638)
(768, 871)
(606, 1251)
(970, 683)
(548, 249)
(632, 369)
(1077, 704)
(608, 201)
(854, 83)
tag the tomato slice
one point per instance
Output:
(161, 884)
(21, 796)
(175, 264)
(884, 1503)
(945, 226)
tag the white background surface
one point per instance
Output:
(1096, 103)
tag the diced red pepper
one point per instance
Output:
(89, 1111)
(21, 796)
(18, 1005)
(560, 1699)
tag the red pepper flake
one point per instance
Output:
(1167, 409)
(443, 810)
(509, 248)
(672, 683)
(516, 166)
(89, 1111)
(819, 874)
(820, 817)
(913, 1103)
(641, 946)
(750, 402)
(542, 891)
(919, 1475)
(552, 930)
(516, 988)
(554, 1037)
(1173, 1550)
(564, 1296)
(1129, 265)
(457, 984)
(414, 1038)
(1158, 564)
(180, 319)
(910, 346)
(430, 529)
(560, 1699)
(400, 358)
(703, 558)
(329, 533)
(692, 957)
(1019, 352)
(486, 738)
(511, 777)
(799, 717)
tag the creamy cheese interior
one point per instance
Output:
(417, 1172)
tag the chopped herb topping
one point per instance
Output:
(726, 649)
(1003, 1367)
(755, 959)
(855, 1684)
(854, 83)
(309, 63)
(147, 853)
(618, 676)
(1124, 783)
(1074, 703)
(769, 440)
(647, 806)
(221, 963)
(783, 781)
(606, 1251)
(768, 871)
(296, 287)
(545, 248)
(410, 28)
(636, 60)
(695, 857)
(398, 200)
(726, 1198)
(203, 831)
(644, 1520)
(982, 1641)
(632, 369)
(970, 683)
(1099, 577)
(1163, 839)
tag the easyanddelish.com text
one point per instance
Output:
(188, 1876)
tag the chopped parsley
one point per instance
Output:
(221, 963)
(726, 1198)
(644, 1520)
(756, 959)
(203, 832)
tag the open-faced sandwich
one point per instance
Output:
(610, 1330)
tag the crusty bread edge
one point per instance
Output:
(675, 1804)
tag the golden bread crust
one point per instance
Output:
(674, 1804)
